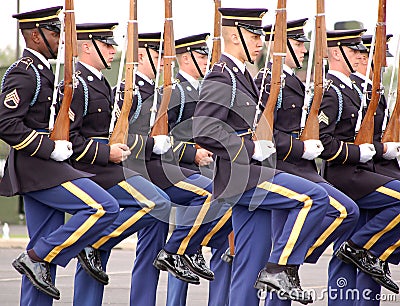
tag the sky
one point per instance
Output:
(197, 16)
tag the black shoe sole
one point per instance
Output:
(264, 286)
(383, 284)
(89, 271)
(349, 260)
(17, 266)
(209, 278)
(160, 266)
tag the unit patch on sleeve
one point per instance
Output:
(12, 99)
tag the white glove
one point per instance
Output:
(205, 161)
(62, 150)
(162, 143)
(392, 150)
(263, 149)
(367, 151)
(312, 149)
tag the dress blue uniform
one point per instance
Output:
(226, 109)
(145, 207)
(373, 192)
(342, 213)
(50, 188)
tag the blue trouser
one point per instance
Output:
(306, 203)
(144, 206)
(45, 217)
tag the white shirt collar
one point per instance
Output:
(287, 69)
(190, 79)
(341, 76)
(241, 66)
(39, 56)
(362, 77)
(145, 77)
(93, 70)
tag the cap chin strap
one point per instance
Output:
(100, 55)
(346, 59)
(244, 45)
(296, 60)
(46, 42)
(151, 60)
(196, 64)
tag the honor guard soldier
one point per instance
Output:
(223, 124)
(38, 168)
(144, 207)
(186, 188)
(192, 55)
(298, 157)
(350, 167)
(385, 164)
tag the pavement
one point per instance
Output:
(314, 277)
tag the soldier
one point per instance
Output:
(386, 165)
(192, 56)
(350, 167)
(223, 124)
(185, 187)
(38, 168)
(144, 207)
(298, 157)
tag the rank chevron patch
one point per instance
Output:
(12, 99)
(71, 115)
(323, 118)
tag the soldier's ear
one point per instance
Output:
(35, 36)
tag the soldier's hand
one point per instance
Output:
(62, 150)
(162, 143)
(263, 149)
(367, 151)
(203, 157)
(119, 152)
(312, 149)
(391, 150)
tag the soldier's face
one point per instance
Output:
(253, 43)
(354, 57)
(201, 60)
(299, 50)
(108, 52)
(53, 38)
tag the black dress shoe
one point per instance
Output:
(385, 280)
(173, 264)
(285, 283)
(227, 257)
(90, 261)
(38, 273)
(197, 264)
(361, 258)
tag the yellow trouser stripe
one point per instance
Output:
(301, 217)
(331, 228)
(217, 226)
(200, 217)
(132, 220)
(87, 199)
(394, 194)
(389, 251)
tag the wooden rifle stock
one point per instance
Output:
(366, 132)
(264, 129)
(311, 128)
(160, 126)
(120, 132)
(216, 48)
(61, 125)
(392, 131)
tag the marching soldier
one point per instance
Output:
(223, 124)
(144, 207)
(192, 57)
(350, 167)
(297, 157)
(38, 168)
(385, 164)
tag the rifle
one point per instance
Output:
(160, 126)
(311, 128)
(216, 47)
(366, 132)
(61, 125)
(264, 128)
(120, 132)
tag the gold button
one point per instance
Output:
(375, 114)
(49, 98)
(352, 115)
(293, 105)
(99, 110)
(247, 103)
